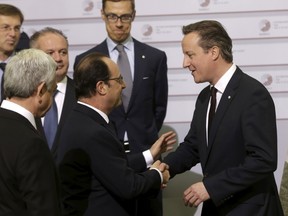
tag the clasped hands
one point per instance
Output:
(164, 169)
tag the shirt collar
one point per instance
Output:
(224, 80)
(61, 86)
(128, 43)
(20, 110)
(97, 110)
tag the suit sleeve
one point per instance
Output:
(115, 174)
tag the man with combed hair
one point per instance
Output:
(96, 176)
(236, 141)
(11, 19)
(55, 43)
(28, 180)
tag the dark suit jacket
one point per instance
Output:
(93, 168)
(28, 181)
(241, 156)
(69, 103)
(148, 103)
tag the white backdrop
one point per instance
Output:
(259, 29)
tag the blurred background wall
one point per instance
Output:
(259, 29)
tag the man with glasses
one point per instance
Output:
(141, 116)
(96, 177)
(11, 19)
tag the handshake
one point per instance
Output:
(164, 169)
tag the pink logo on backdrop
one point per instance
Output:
(88, 5)
(147, 30)
(204, 3)
(266, 79)
(264, 25)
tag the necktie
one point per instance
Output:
(51, 123)
(213, 92)
(125, 70)
(2, 66)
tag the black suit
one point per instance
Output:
(93, 168)
(28, 181)
(69, 103)
(147, 106)
(241, 156)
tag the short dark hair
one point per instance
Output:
(132, 3)
(10, 10)
(90, 70)
(212, 33)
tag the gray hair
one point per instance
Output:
(26, 70)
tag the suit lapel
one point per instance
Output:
(226, 99)
(69, 102)
(139, 66)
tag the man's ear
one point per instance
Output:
(103, 15)
(134, 15)
(101, 88)
(215, 52)
(41, 89)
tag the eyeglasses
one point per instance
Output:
(125, 18)
(118, 79)
(7, 28)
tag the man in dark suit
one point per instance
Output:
(11, 19)
(137, 125)
(239, 154)
(95, 174)
(28, 180)
(55, 43)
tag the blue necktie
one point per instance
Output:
(51, 122)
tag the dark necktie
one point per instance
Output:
(51, 122)
(213, 92)
(2, 66)
(125, 70)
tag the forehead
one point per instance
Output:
(120, 7)
(190, 41)
(51, 39)
(10, 20)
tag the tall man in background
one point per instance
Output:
(55, 43)
(28, 179)
(11, 19)
(140, 117)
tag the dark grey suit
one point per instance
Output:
(28, 181)
(147, 106)
(241, 155)
(94, 171)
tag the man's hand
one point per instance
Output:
(163, 168)
(195, 195)
(163, 144)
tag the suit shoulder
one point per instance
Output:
(148, 47)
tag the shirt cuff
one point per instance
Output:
(159, 173)
(148, 158)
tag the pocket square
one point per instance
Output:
(145, 78)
